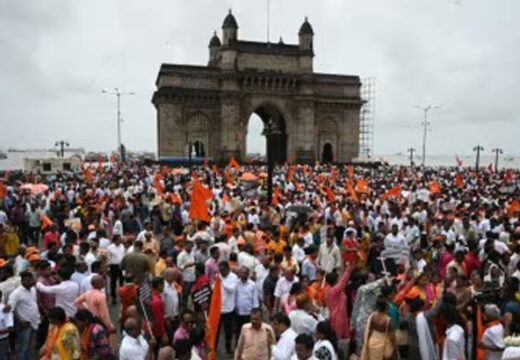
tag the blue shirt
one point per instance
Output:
(246, 297)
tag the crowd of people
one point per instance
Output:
(136, 261)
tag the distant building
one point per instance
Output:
(207, 108)
(52, 165)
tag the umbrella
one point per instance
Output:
(248, 177)
(300, 209)
(35, 188)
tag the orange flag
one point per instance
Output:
(276, 196)
(509, 176)
(362, 186)
(234, 163)
(351, 191)
(214, 319)
(100, 163)
(513, 208)
(330, 195)
(350, 171)
(290, 173)
(3, 190)
(458, 181)
(480, 353)
(175, 198)
(198, 206)
(395, 192)
(46, 222)
(434, 187)
(157, 183)
(227, 177)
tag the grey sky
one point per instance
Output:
(463, 55)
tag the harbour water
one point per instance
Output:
(15, 159)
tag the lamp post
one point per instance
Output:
(62, 145)
(117, 93)
(478, 149)
(411, 151)
(425, 123)
(270, 130)
(497, 152)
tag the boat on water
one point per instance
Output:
(3, 155)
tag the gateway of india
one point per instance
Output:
(206, 109)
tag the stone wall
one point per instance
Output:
(262, 62)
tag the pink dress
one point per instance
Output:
(336, 301)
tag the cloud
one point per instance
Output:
(57, 55)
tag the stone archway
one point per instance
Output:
(198, 148)
(277, 145)
(327, 155)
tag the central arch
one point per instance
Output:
(276, 146)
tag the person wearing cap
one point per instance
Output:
(493, 338)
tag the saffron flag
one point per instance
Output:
(234, 163)
(46, 222)
(458, 181)
(393, 192)
(513, 208)
(350, 171)
(100, 163)
(3, 190)
(290, 173)
(158, 185)
(198, 205)
(88, 175)
(509, 176)
(227, 177)
(276, 196)
(330, 195)
(214, 319)
(351, 191)
(362, 186)
(434, 187)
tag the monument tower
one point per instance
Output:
(209, 106)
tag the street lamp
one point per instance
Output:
(497, 152)
(425, 124)
(411, 151)
(478, 149)
(62, 145)
(270, 131)
(117, 93)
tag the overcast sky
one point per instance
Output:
(463, 55)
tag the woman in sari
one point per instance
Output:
(379, 340)
(95, 344)
(63, 338)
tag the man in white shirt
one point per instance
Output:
(396, 248)
(186, 264)
(329, 256)
(170, 297)
(6, 326)
(65, 292)
(493, 338)
(301, 321)
(454, 345)
(228, 285)
(25, 308)
(304, 346)
(116, 253)
(247, 259)
(246, 299)
(283, 286)
(134, 346)
(284, 348)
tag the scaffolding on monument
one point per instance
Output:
(367, 117)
